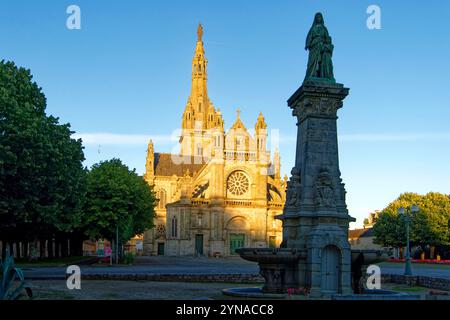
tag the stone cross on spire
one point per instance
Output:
(238, 113)
(200, 32)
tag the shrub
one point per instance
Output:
(128, 258)
(12, 280)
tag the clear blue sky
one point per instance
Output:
(126, 75)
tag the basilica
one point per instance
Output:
(223, 190)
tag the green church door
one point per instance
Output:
(160, 248)
(272, 242)
(236, 242)
(199, 244)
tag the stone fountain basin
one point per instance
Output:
(272, 255)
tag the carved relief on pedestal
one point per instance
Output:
(293, 188)
(325, 107)
(317, 106)
(324, 191)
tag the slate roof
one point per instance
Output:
(165, 166)
(360, 233)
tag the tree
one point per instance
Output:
(41, 171)
(117, 197)
(389, 230)
(428, 227)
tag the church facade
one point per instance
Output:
(223, 190)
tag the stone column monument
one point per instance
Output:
(315, 217)
(315, 252)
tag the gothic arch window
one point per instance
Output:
(238, 183)
(162, 195)
(217, 141)
(174, 227)
(199, 150)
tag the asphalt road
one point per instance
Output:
(156, 265)
(202, 265)
(434, 271)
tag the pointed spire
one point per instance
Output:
(238, 124)
(199, 113)
(199, 50)
(150, 145)
(199, 92)
(260, 123)
(149, 164)
(199, 32)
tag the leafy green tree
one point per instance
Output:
(117, 197)
(389, 230)
(41, 172)
(428, 227)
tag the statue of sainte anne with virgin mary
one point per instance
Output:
(318, 42)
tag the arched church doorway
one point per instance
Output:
(237, 234)
(237, 240)
(330, 270)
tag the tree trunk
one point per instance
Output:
(34, 251)
(3, 249)
(11, 248)
(64, 252)
(57, 243)
(50, 247)
(19, 249)
(432, 250)
(76, 245)
(25, 250)
(42, 249)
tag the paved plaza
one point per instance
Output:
(130, 290)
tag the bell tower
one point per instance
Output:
(200, 119)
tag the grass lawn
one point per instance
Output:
(404, 288)
(46, 262)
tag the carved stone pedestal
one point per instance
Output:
(315, 217)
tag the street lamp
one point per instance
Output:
(407, 218)
(448, 229)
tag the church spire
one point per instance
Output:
(199, 32)
(199, 110)
(149, 163)
(199, 63)
(199, 113)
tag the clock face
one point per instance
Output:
(238, 183)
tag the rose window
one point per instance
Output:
(160, 230)
(238, 183)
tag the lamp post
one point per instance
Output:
(407, 218)
(117, 244)
(449, 230)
